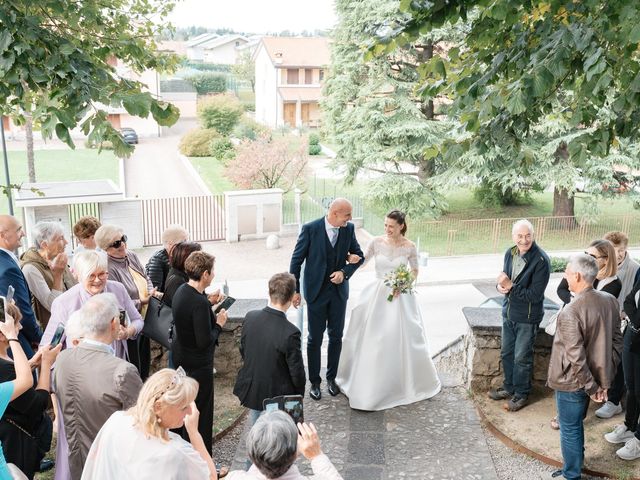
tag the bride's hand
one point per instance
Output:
(353, 258)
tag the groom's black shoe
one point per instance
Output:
(315, 392)
(333, 388)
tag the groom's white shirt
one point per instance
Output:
(332, 233)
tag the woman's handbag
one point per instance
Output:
(553, 324)
(158, 322)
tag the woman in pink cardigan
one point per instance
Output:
(273, 445)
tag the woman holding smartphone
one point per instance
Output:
(12, 389)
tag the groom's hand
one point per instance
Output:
(296, 300)
(337, 277)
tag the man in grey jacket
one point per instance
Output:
(586, 351)
(90, 381)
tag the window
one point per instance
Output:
(321, 76)
(308, 76)
(292, 76)
(237, 43)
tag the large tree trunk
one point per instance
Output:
(563, 204)
(28, 130)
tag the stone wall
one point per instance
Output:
(483, 366)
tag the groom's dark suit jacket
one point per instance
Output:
(313, 246)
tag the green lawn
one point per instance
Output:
(212, 172)
(60, 166)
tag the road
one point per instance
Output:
(155, 169)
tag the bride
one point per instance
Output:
(385, 359)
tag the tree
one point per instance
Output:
(268, 163)
(525, 66)
(373, 113)
(56, 64)
(222, 112)
(245, 69)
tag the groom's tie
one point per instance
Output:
(334, 236)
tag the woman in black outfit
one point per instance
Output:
(177, 275)
(197, 329)
(606, 279)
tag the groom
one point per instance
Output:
(325, 244)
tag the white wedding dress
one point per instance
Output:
(385, 359)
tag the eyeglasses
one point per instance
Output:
(595, 256)
(177, 379)
(94, 276)
(117, 243)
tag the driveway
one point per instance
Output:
(155, 170)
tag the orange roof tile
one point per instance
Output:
(298, 51)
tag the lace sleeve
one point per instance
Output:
(370, 252)
(413, 257)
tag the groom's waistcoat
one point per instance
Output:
(332, 259)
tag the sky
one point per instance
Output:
(255, 16)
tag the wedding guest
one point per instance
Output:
(270, 346)
(524, 277)
(585, 353)
(627, 270)
(273, 444)
(158, 266)
(91, 269)
(125, 267)
(10, 390)
(84, 231)
(607, 279)
(197, 329)
(165, 402)
(45, 268)
(90, 382)
(11, 234)
(177, 276)
(25, 427)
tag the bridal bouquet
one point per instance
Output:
(400, 281)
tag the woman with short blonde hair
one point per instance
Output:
(165, 402)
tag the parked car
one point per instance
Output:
(130, 136)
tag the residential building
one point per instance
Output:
(289, 76)
(213, 48)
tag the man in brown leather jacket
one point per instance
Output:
(586, 351)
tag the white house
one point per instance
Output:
(289, 76)
(195, 46)
(224, 49)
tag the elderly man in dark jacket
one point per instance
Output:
(585, 354)
(524, 277)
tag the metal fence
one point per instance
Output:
(493, 235)
(313, 207)
(202, 216)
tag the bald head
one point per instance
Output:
(339, 212)
(10, 232)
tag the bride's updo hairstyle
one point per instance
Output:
(399, 217)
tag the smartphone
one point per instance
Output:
(10, 292)
(293, 406)
(3, 309)
(57, 336)
(290, 404)
(226, 303)
(123, 318)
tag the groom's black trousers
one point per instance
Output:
(326, 312)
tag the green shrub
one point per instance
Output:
(221, 112)
(314, 139)
(106, 145)
(315, 149)
(249, 105)
(249, 129)
(558, 264)
(206, 83)
(490, 196)
(222, 148)
(197, 143)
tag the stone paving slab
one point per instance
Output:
(439, 438)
